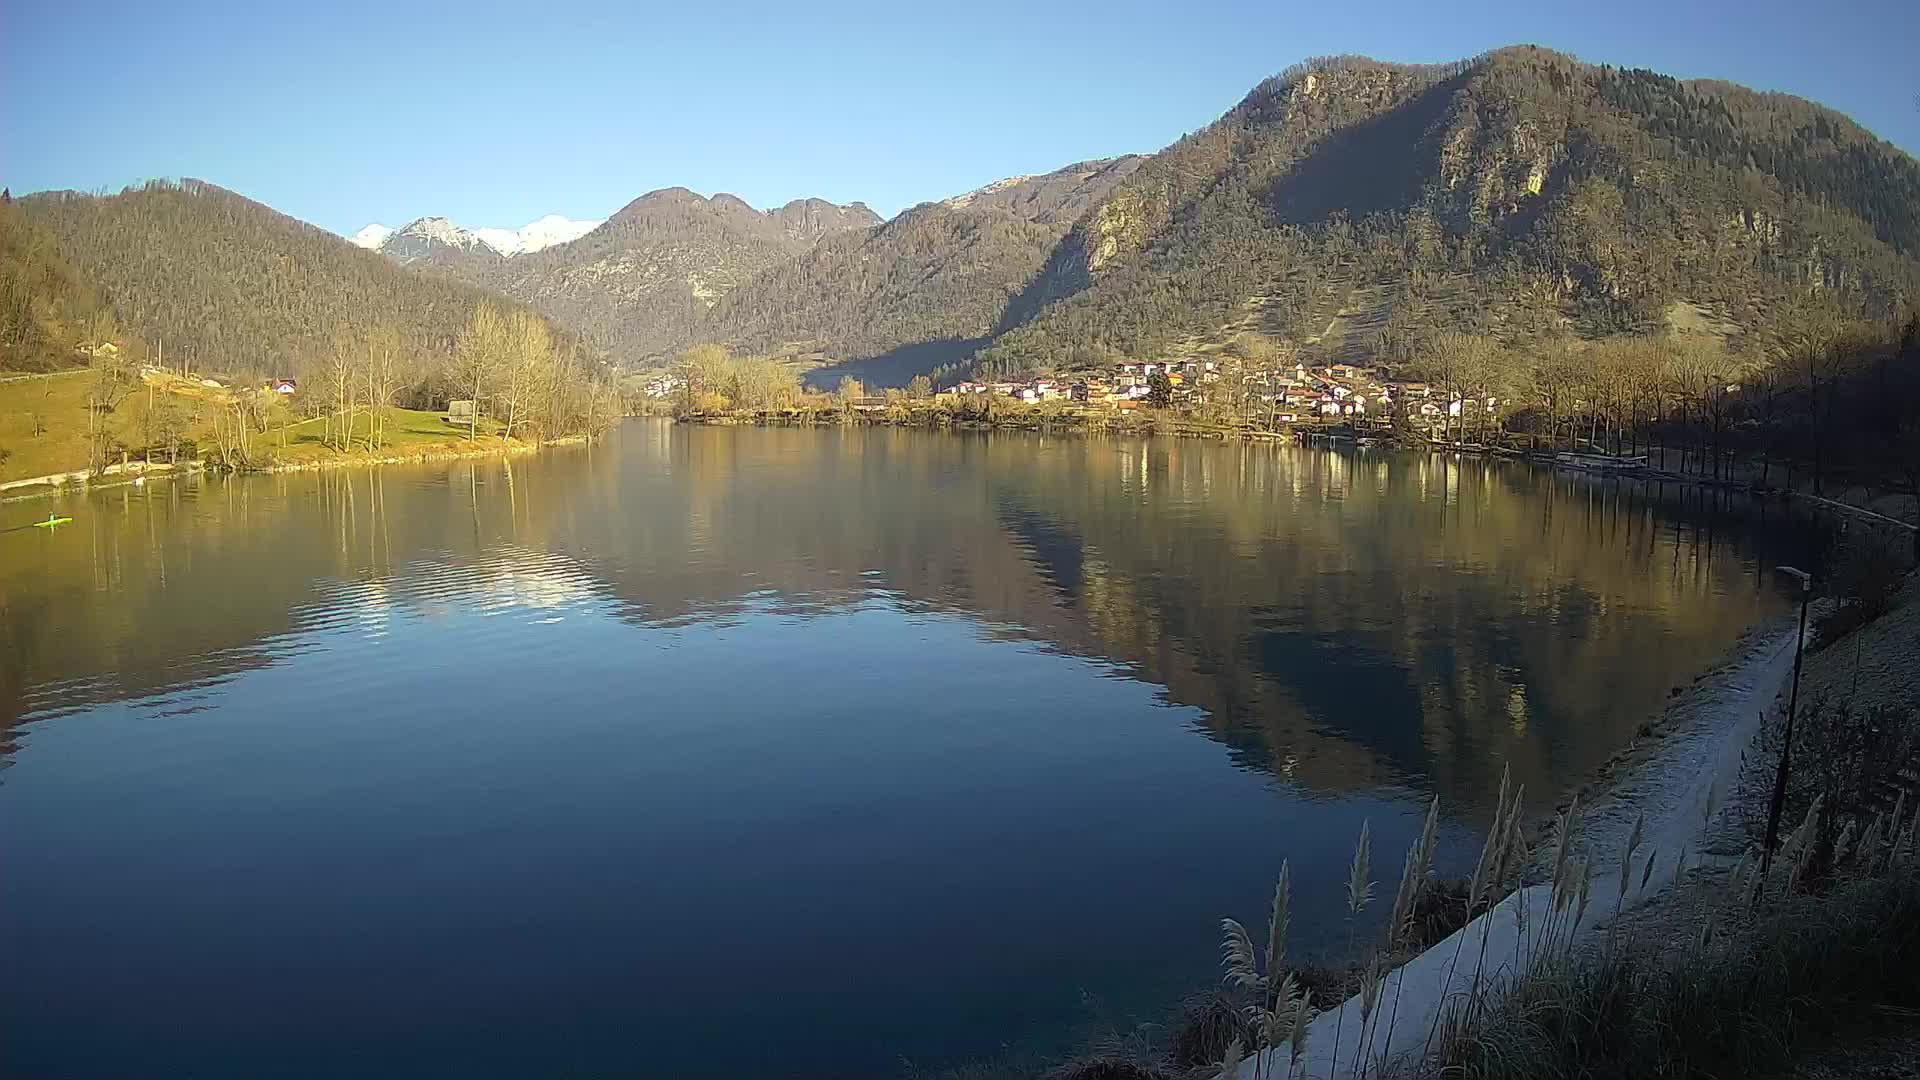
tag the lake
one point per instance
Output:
(782, 752)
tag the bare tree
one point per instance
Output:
(527, 363)
(1811, 349)
(479, 355)
(112, 379)
(1556, 377)
(1897, 428)
(339, 374)
(381, 360)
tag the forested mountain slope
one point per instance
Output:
(640, 283)
(1058, 196)
(46, 310)
(927, 286)
(234, 285)
(1350, 206)
(1522, 193)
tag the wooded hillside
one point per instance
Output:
(230, 284)
(923, 289)
(1521, 194)
(46, 310)
(641, 284)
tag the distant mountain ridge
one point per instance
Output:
(640, 281)
(236, 286)
(417, 238)
(1348, 207)
(919, 291)
(673, 267)
(1061, 195)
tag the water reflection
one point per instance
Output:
(1374, 618)
(574, 760)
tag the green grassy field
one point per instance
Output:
(407, 431)
(56, 404)
(43, 427)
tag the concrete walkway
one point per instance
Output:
(1672, 789)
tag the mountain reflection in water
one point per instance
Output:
(564, 762)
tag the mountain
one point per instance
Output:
(536, 235)
(920, 291)
(436, 241)
(1351, 207)
(1058, 196)
(47, 311)
(417, 238)
(807, 220)
(235, 285)
(370, 237)
(638, 283)
(1354, 206)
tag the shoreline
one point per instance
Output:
(1692, 728)
(1050, 422)
(1679, 772)
(1074, 419)
(1086, 422)
(138, 472)
(502, 449)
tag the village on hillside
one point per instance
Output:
(1337, 391)
(1333, 393)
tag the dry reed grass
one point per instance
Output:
(1778, 959)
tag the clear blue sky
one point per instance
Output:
(343, 113)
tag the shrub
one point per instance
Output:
(1842, 753)
(1865, 576)
(1440, 909)
(1812, 966)
(1204, 1028)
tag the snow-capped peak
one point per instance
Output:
(554, 229)
(504, 241)
(371, 237)
(544, 233)
(439, 228)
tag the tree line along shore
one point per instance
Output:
(1830, 411)
(505, 382)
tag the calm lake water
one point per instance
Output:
(814, 753)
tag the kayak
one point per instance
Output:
(51, 522)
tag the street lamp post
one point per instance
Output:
(1786, 741)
